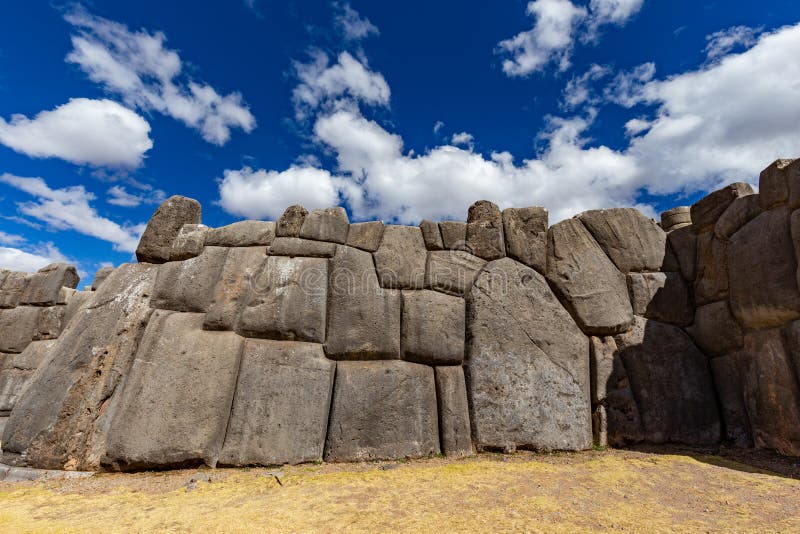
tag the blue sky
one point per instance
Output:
(398, 113)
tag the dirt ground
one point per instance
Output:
(645, 490)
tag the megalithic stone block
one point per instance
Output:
(242, 234)
(485, 231)
(454, 425)
(155, 245)
(291, 221)
(43, 287)
(632, 241)
(400, 260)
(189, 285)
(525, 232)
(330, 224)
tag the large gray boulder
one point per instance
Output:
(382, 411)
(706, 211)
(715, 330)
(454, 235)
(741, 211)
(176, 400)
(242, 234)
(400, 260)
(525, 232)
(363, 318)
(16, 372)
(366, 235)
(451, 392)
(100, 277)
(664, 297)
(485, 231)
(12, 287)
(44, 286)
(683, 243)
(773, 184)
(431, 235)
(763, 272)
(711, 273)
(291, 221)
(189, 242)
(632, 241)
(527, 364)
(296, 247)
(61, 419)
(671, 382)
(18, 327)
(189, 285)
(155, 246)
(238, 276)
(280, 410)
(330, 224)
(452, 271)
(432, 328)
(589, 284)
(287, 301)
(728, 382)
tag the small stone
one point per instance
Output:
(155, 245)
(242, 234)
(296, 247)
(485, 231)
(451, 392)
(400, 260)
(330, 224)
(452, 271)
(291, 221)
(189, 242)
(675, 217)
(525, 232)
(432, 328)
(706, 211)
(366, 235)
(454, 235)
(431, 235)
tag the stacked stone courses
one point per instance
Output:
(312, 338)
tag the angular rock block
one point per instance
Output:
(431, 235)
(452, 271)
(706, 211)
(62, 418)
(242, 234)
(382, 411)
(432, 328)
(740, 212)
(671, 382)
(711, 273)
(715, 330)
(18, 327)
(527, 364)
(155, 245)
(664, 297)
(12, 287)
(400, 260)
(291, 221)
(676, 218)
(525, 232)
(188, 286)
(77, 302)
(632, 241)
(330, 224)
(238, 276)
(763, 272)
(287, 301)
(44, 286)
(451, 393)
(99, 277)
(454, 235)
(729, 387)
(50, 323)
(366, 235)
(16, 372)
(189, 242)
(589, 284)
(773, 184)
(485, 231)
(280, 410)
(174, 407)
(363, 319)
(296, 247)
(683, 243)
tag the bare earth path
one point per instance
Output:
(631, 491)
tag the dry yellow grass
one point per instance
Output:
(596, 491)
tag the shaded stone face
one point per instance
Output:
(632, 241)
(155, 246)
(432, 328)
(661, 296)
(291, 221)
(451, 392)
(706, 211)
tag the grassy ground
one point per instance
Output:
(636, 491)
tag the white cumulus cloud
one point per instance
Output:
(120, 196)
(32, 260)
(351, 24)
(722, 42)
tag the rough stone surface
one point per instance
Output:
(242, 234)
(683, 243)
(189, 285)
(454, 235)
(189, 242)
(711, 273)
(400, 260)
(12, 287)
(77, 302)
(525, 232)
(773, 185)
(382, 410)
(432, 328)
(174, 408)
(62, 418)
(296, 247)
(366, 235)
(485, 231)
(291, 221)
(451, 393)
(44, 286)
(589, 284)
(741, 211)
(680, 215)
(363, 319)
(50, 323)
(238, 276)
(18, 327)
(715, 330)
(664, 297)
(632, 241)
(706, 211)
(287, 301)
(431, 235)
(792, 173)
(452, 271)
(527, 364)
(280, 410)
(763, 272)
(155, 245)
(16, 372)
(330, 224)
(731, 400)
(100, 277)
(671, 383)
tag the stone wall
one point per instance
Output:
(311, 338)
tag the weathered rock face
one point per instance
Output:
(525, 231)
(99, 277)
(280, 411)
(330, 224)
(731, 400)
(400, 260)
(294, 247)
(452, 271)
(485, 231)
(382, 410)
(589, 284)
(431, 235)
(706, 211)
(741, 211)
(189, 242)
(683, 243)
(432, 328)
(165, 224)
(664, 297)
(16, 372)
(242, 234)
(451, 392)
(711, 273)
(11, 289)
(632, 241)
(291, 221)
(18, 327)
(43, 288)
(366, 236)
(715, 330)
(676, 218)
(527, 364)
(773, 185)
(189, 285)
(237, 278)
(454, 235)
